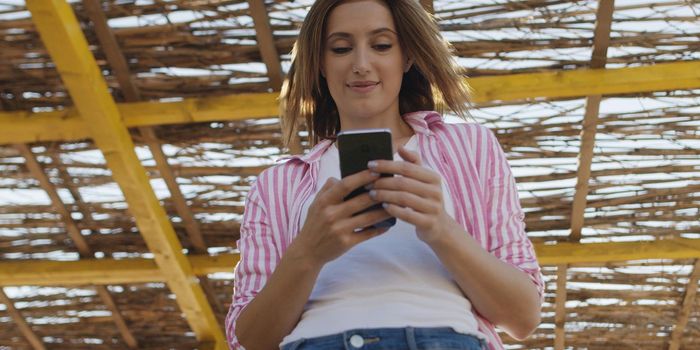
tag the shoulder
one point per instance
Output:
(278, 176)
(472, 136)
(468, 129)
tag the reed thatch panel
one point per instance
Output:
(644, 185)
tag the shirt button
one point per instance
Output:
(357, 341)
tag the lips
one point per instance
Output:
(362, 87)
(362, 84)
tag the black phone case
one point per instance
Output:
(355, 150)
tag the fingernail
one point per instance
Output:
(369, 186)
(373, 194)
(374, 174)
(385, 205)
(372, 164)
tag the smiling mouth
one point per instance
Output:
(362, 84)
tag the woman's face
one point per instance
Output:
(363, 62)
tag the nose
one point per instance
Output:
(361, 61)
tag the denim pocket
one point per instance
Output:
(449, 342)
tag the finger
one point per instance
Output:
(406, 169)
(406, 214)
(361, 236)
(356, 204)
(407, 184)
(409, 156)
(406, 199)
(329, 183)
(365, 219)
(349, 183)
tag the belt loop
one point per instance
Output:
(346, 336)
(411, 338)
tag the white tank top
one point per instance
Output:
(392, 280)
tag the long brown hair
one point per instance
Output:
(433, 81)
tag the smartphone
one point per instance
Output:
(355, 149)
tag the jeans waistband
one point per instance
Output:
(391, 338)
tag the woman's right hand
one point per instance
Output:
(330, 227)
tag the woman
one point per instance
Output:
(456, 263)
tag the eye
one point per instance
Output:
(383, 47)
(341, 50)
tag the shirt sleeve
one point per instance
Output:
(258, 258)
(508, 240)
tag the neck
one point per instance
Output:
(400, 130)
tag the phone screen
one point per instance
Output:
(356, 148)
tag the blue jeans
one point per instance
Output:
(408, 338)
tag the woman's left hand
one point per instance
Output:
(415, 196)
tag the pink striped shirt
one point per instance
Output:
(468, 156)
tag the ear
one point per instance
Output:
(409, 64)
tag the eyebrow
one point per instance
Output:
(373, 32)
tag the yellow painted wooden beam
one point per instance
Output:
(61, 34)
(593, 253)
(81, 272)
(110, 271)
(585, 82)
(67, 125)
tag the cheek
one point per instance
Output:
(393, 76)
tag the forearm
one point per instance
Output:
(498, 291)
(278, 306)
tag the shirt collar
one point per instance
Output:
(422, 122)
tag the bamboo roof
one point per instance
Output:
(596, 105)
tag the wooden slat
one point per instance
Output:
(65, 42)
(428, 5)
(108, 300)
(38, 173)
(601, 41)
(691, 290)
(266, 43)
(268, 51)
(560, 308)
(110, 271)
(110, 46)
(19, 321)
(68, 125)
(183, 211)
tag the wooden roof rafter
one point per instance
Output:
(601, 41)
(74, 233)
(65, 42)
(428, 6)
(131, 92)
(560, 308)
(24, 328)
(268, 51)
(691, 291)
(21, 323)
